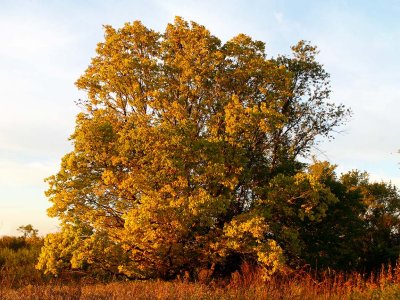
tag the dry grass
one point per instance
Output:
(243, 285)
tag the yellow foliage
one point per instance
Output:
(178, 138)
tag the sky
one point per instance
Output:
(46, 45)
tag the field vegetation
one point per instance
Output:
(19, 279)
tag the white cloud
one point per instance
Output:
(364, 64)
(383, 177)
(31, 37)
(279, 17)
(16, 175)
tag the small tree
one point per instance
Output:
(28, 231)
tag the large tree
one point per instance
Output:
(181, 152)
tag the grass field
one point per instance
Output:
(20, 280)
(385, 285)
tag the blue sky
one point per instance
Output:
(46, 45)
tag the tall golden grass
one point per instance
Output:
(243, 284)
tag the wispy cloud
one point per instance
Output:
(16, 174)
(363, 62)
(30, 37)
(279, 17)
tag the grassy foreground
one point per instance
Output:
(20, 280)
(386, 285)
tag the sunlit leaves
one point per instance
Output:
(185, 153)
